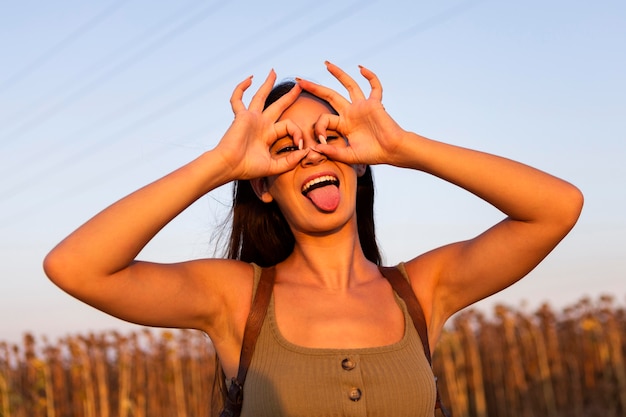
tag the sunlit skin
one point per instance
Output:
(286, 188)
(327, 293)
(311, 311)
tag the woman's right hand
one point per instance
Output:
(187, 294)
(245, 145)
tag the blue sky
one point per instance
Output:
(99, 98)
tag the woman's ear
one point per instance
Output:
(360, 169)
(259, 185)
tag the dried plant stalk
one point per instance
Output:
(513, 364)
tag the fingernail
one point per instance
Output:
(322, 139)
(327, 62)
(298, 79)
(300, 144)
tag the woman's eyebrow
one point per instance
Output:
(278, 140)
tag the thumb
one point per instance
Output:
(290, 161)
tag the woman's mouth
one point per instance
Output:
(323, 191)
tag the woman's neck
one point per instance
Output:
(334, 261)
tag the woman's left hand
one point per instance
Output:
(374, 137)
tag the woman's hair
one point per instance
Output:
(259, 231)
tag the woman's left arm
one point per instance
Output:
(540, 209)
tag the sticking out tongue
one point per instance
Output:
(325, 198)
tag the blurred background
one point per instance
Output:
(99, 98)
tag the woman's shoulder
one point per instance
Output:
(227, 273)
(215, 266)
(227, 288)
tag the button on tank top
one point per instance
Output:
(285, 379)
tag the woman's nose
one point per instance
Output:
(313, 157)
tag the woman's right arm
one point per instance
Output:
(96, 263)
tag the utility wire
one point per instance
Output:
(65, 42)
(419, 27)
(114, 70)
(198, 92)
(95, 67)
(201, 91)
(192, 73)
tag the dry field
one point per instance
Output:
(507, 364)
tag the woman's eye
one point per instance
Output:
(283, 145)
(290, 148)
(329, 138)
(336, 140)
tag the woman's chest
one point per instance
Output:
(286, 379)
(326, 320)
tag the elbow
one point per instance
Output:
(58, 269)
(51, 266)
(577, 202)
(571, 202)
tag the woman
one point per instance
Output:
(306, 154)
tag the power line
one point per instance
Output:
(114, 70)
(98, 66)
(68, 40)
(419, 27)
(198, 70)
(202, 91)
(198, 92)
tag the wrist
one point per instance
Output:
(212, 169)
(409, 151)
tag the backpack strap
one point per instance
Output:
(403, 288)
(258, 310)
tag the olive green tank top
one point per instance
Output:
(285, 379)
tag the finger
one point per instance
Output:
(258, 100)
(348, 82)
(236, 99)
(345, 155)
(336, 100)
(324, 123)
(289, 162)
(277, 108)
(377, 87)
(287, 128)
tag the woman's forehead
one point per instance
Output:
(307, 106)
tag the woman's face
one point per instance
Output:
(319, 194)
